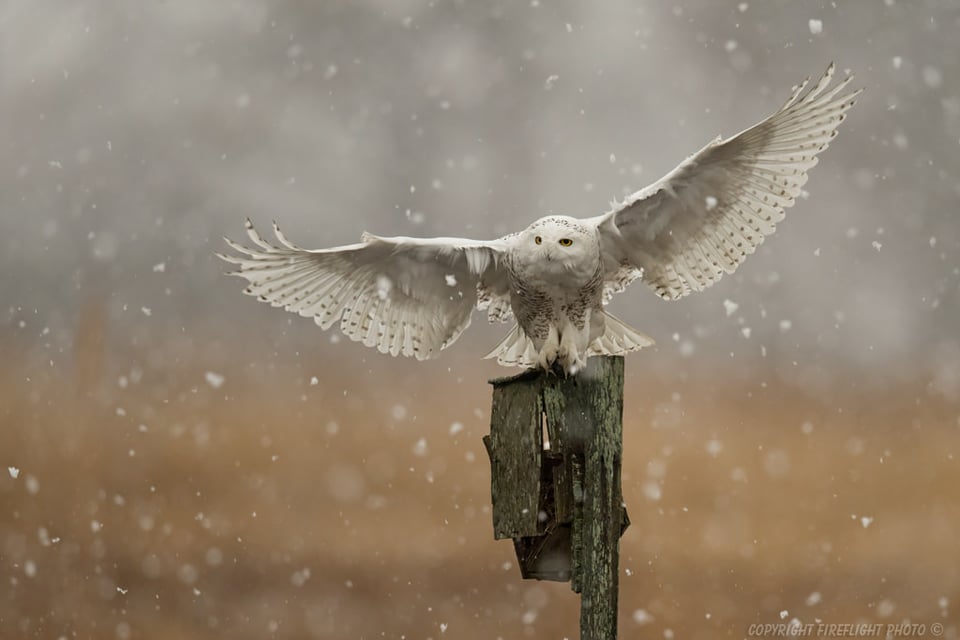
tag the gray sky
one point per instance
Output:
(136, 134)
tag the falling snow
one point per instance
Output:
(642, 617)
(215, 380)
(932, 77)
(420, 448)
(300, 577)
(352, 488)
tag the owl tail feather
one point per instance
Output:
(515, 350)
(618, 339)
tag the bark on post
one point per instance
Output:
(563, 505)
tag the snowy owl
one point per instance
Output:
(415, 296)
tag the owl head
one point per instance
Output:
(562, 241)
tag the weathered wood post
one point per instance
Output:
(559, 498)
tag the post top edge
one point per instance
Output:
(528, 374)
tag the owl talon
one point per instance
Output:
(547, 357)
(545, 363)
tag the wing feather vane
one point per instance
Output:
(403, 296)
(703, 218)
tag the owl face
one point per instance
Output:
(560, 243)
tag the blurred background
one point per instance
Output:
(179, 461)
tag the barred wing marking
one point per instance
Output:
(703, 218)
(404, 296)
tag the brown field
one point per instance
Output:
(273, 507)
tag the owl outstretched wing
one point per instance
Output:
(701, 220)
(404, 296)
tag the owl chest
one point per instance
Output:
(539, 304)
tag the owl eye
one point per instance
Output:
(538, 239)
(565, 242)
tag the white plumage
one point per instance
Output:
(415, 296)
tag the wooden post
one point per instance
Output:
(562, 505)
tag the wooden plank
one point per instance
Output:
(553, 407)
(584, 415)
(515, 446)
(603, 503)
(563, 492)
(575, 464)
